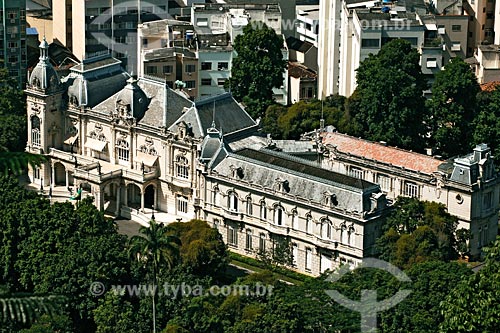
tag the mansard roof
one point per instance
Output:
(221, 112)
(164, 108)
(376, 151)
(263, 168)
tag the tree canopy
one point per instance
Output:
(418, 231)
(389, 96)
(453, 108)
(12, 114)
(257, 68)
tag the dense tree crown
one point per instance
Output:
(257, 68)
(12, 114)
(453, 108)
(390, 103)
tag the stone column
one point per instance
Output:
(67, 178)
(53, 176)
(99, 198)
(118, 198)
(142, 200)
(125, 196)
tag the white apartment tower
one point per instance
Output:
(328, 47)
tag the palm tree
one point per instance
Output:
(157, 250)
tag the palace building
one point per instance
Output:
(138, 147)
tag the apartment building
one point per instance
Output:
(481, 24)
(307, 25)
(13, 39)
(486, 63)
(94, 27)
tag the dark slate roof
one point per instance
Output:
(230, 117)
(285, 161)
(157, 114)
(298, 45)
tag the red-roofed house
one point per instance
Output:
(468, 186)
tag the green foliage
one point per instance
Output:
(16, 162)
(431, 282)
(57, 249)
(155, 248)
(487, 122)
(115, 314)
(13, 117)
(418, 231)
(453, 107)
(258, 67)
(51, 324)
(304, 116)
(473, 306)
(203, 250)
(388, 104)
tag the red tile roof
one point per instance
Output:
(490, 86)
(379, 152)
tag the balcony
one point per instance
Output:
(433, 42)
(140, 176)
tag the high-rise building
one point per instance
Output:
(94, 27)
(13, 39)
(481, 24)
(328, 47)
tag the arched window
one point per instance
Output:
(232, 201)
(350, 235)
(278, 215)
(343, 234)
(326, 229)
(182, 167)
(262, 242)
(249, 206)
(295, 220)
(216, 196)
(309, 223)
(263, 210)
(35, 132)
(248, 243)
(122, 150)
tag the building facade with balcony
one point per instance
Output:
(137, 147)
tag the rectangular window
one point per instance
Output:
(151, 70)
(232, 236)
(411, 190)
(190, 84)
(308, 263)
(202, 21)
(123, 153)
(456, 28)
(190, 68)
(221, 82)
(167, 69)
(206, 82)
(206, 66)
(182, 204)
(262, 242)
(145, 42)
(36, 173)
(370, 42)
(222, 66)
(356, 173)
(248, 243)
(384, 182)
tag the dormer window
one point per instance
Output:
(281, 185)
(278, 215)
(330, 199)
(236, 172)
